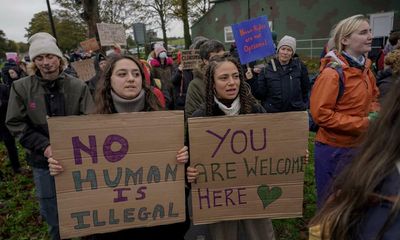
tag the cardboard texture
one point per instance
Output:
(120, 171)
(84, 69)
(190, 59)
(111, 34)
(251, 166)
(90, 45)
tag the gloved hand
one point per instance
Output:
(372, 116)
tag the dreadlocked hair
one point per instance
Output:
(247, 100)
(103, 99)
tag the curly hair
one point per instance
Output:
(246, 98)
(393, 61)
(103, 100)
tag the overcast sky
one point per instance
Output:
(15, 16)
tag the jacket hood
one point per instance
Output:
(198, 72)
(333, 56)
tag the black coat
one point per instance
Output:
(4, 95)
(180, 81)
(385, 81)
(282, 89)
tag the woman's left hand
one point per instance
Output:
(183, 155)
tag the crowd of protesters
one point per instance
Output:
(357, 167)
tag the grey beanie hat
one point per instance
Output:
(287, 41)
(43, 43)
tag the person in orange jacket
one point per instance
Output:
(342, 120)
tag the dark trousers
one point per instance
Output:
(12, 150)
(329, 163)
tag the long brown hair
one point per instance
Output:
(103, 99)
(246, 98)
(342, 214)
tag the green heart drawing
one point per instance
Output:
(268, 196)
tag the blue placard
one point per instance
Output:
(253, 39)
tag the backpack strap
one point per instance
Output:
(338, 67)
(273, 64)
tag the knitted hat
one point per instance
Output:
(287, 41)
(43, 43)
(159, 49)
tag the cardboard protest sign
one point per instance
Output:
(253, 39)
(111, 34)
(90, 45)
(84, 69)
(120, 171)
(190, 58)
(250, 166)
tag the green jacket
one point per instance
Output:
(33, 99)
(196, 93)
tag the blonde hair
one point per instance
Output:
(393, 61)
(345, 28)
(31, 68)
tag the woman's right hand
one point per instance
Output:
(54, 167)
(192, 174)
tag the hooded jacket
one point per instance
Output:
(32, 100)
(342, 122)
(282, 89)
(196, 92)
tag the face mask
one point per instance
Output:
(162, 55)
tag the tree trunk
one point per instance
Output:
(164, 31)
(91, 8)
(185, 20)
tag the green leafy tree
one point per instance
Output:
(70, 32)
(3, 44)
(7, 45)
(181, 12)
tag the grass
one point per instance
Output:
(296, 228)
(20, 218)
(19, 210)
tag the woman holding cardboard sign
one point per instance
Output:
(228, 94)
(123, 88)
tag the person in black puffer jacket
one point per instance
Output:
(283, 84)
